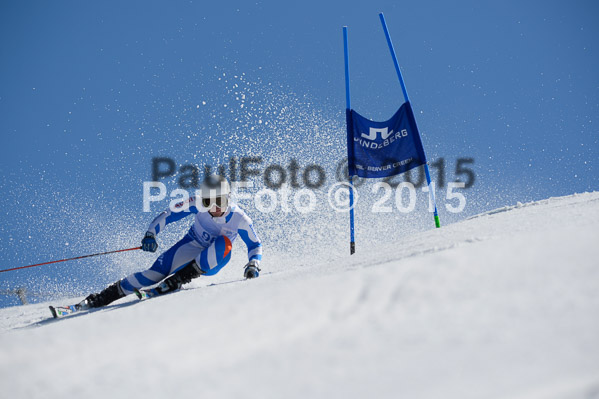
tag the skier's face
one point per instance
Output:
(215, 211)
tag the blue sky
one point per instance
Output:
(91, 91)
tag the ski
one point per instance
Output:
(62, 311)
(143, 294)
(160, 289)
(163, 289)
(147, 293)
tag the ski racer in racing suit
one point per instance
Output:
(205, 249)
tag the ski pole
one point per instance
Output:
(64, 260)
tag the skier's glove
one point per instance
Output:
(149, 243)
(251, 269)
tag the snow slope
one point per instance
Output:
(502, 305)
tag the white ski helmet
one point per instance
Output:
(215, 190)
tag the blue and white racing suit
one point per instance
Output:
(208, 241)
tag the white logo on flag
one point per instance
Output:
(385, 133)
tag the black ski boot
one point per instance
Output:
(180, 277)
(106, 296)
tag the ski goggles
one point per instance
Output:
(221, 202)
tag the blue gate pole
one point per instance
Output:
(352, 241)
(431, 190)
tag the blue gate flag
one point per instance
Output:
(382, 149)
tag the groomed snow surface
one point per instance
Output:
(503, 305)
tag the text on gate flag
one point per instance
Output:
(381, 149)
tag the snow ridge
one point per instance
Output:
(501, 305)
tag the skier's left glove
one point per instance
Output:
(251, 269)
(149, 243)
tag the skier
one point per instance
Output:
(205, 249)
